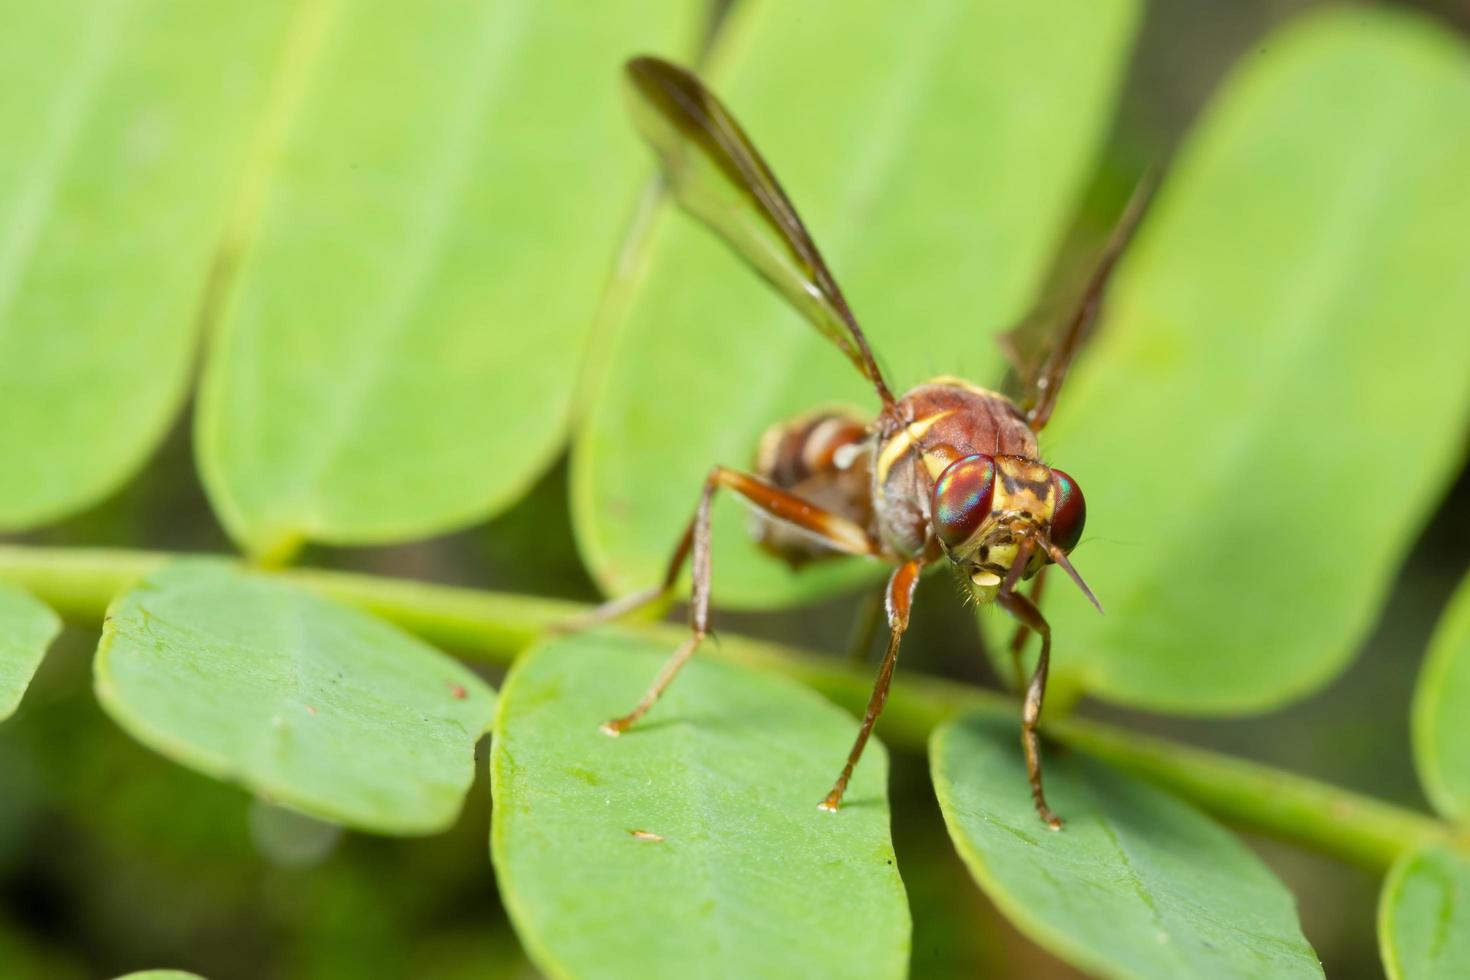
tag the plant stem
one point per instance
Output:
(79, 585)
(1315, 815)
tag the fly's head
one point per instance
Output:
(999, 519)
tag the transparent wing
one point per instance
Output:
(1044, 382)
(717, 175)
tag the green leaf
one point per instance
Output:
(421, 261)
(936, 185)
(1137, 884)
(1277, 399)
(161, 975)
(26, 629)
(124, 124)
(1424, 916)
(1441, 714)
(310, 704)
(694, 841)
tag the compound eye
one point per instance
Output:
(1069, 515)
(962, 497)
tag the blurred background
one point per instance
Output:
(113, 859)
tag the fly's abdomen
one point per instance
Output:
(822, 457)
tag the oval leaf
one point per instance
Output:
(398, 354)
(1441, 719)
(693, 842)
(935, 185)
(1277, 399)
(1137, 884)
(124, 125)
(1424, 916)
(310, 704)
(26, 629)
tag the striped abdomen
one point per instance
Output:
(822, 457)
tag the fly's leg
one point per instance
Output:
(1028, 615)
(615, 609)
(1023, 632)
(900, 598)
(837, 532)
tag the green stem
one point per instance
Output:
(1315, 815)
(79, 585)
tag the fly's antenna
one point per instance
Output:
(1060, 557)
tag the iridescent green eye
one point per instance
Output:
(962, 497)
(1070, 514)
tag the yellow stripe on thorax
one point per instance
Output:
(902, 442)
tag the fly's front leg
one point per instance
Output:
(1018, 639)
(838, 532)
(1029, 616)
(900, 598)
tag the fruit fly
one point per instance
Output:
(947, 472)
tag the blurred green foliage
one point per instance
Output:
(264, 226)
(1424, 915)
(304, 701)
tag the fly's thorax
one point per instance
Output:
(932, 426)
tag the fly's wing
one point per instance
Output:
(716, 174)
(1043, 382)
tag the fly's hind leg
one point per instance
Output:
(836, 531)
(615, 609)
(801, 458)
